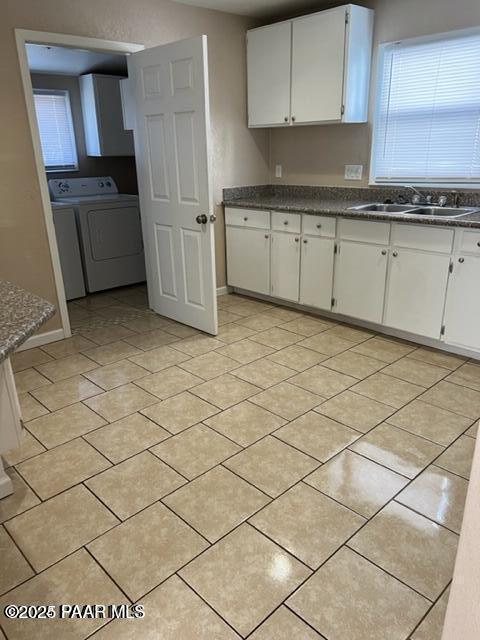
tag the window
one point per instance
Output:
(54, 119)
(427, 122)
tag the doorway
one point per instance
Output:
(187, 296)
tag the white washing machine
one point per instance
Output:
(110, 230)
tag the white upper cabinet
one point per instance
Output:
(311, 70)
(103, 116)
(269, 53)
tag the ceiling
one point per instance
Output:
(73, 62)
(259, 8)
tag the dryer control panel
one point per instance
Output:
(78, 187)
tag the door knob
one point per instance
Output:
(202, 219)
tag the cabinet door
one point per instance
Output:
(462, 312)
(248, 259)
(359, 285)
(285, 265)
(268, 64)
(317, 66)
(316, 272)
(114, 139)
(417, 285)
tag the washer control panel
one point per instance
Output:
(77, 187)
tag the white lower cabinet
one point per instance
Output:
(248, 259)
(285, 265)
(416, 289)
(316, 272)
(360, 274)
(462, 311)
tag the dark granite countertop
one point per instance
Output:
(21, 314)
(335, 201)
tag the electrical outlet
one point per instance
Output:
(278, 171)
(353, 171)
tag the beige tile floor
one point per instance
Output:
(291, 478)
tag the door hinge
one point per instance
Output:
(334, 302)
(450, 268)
(342, 110)
(442, 330)
(346, 17)
(335, 249)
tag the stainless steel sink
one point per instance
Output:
(416, 210)
(444, 212)
(385, 208)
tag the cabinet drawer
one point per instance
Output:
(286, 222)
(319, 226)
(363, 231)
(470, 242)
(247, 218)
(424, 237)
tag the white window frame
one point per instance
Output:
(66, 94)
(380, 69)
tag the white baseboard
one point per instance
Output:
(222, 291)
(42, 338)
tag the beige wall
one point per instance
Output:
(317, 155)
(122, 169)
(240, 155)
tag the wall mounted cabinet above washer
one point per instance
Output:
(311, 70)
(103, 117)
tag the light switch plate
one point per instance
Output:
(278, 171)
(353, 171)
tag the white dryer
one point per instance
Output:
(110, 230)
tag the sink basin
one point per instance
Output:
(444, 212)
(416, 210)
(385, 208)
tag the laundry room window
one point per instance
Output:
(54, 117)
(427, 121)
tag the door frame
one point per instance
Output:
(22, 37)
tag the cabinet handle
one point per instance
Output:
(286, 118)
(285, 222)
(384, 252)
(305, 241)
(461, 260)
(297, 239)
(394, 254)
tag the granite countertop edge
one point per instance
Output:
(21, 314)
(342, 208)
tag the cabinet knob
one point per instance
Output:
(461, 260)
(286, 118)
(394, 254)
(245, 219)
(293, 118)
(319, 226)
(297, 239)
(305, 241)
(478, 244)
(384, 252)
(266, 236)
(285, 222)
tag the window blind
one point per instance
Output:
(56, 130)
(427, 125)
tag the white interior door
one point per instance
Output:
(171, 121)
